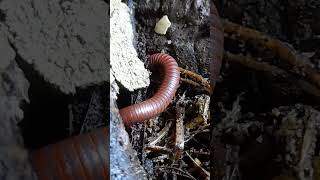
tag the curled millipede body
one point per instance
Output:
(161, 99)
(78, 158)
(155, 105)
(217, 37)
(86, 156)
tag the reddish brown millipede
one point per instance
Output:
(86, 156)
(82, 157)
(155, 105)
(161, 99)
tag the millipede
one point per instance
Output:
(77, 158)
(161, 99)
(86, 156)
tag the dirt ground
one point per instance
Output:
(261, 125)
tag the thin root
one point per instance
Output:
(179, 136)
(198, 79)
(190, 82)
(205, 174)
(278, 47)
(262, 66)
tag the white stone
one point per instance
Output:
(162, 25)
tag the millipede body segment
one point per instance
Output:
(86, 156)
(155, 105)
(161, 99)
(82, 157)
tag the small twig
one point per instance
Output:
(202, 103)
(179, 138)
(309, 88)
(278, 47)
(262, 66)
(162, 133)
(196, 77)
(143, 143)
(199, 152)
(199, 130)
(190, 82)
(158, 149)
(205, 174)
(253, 64)
(234, 173)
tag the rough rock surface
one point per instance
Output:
(66, 42)
(14, 162)
(130, 72)
(124, 163)
(125, 64)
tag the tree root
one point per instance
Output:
(283, 51)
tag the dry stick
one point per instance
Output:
(143, 142)
(194, 133)
(251, 63)
(188, 81)
(202, 104)
(277, 46)
(205, 153)
(205, 174)
(159, 149)
(196, 77)
(262, 66)
(162, 133)
(179, 137)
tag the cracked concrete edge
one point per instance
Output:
(126, 67)
(14, 158)
(64, 41)
(124, 163)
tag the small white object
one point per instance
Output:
(259, 139)
(162, 25)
